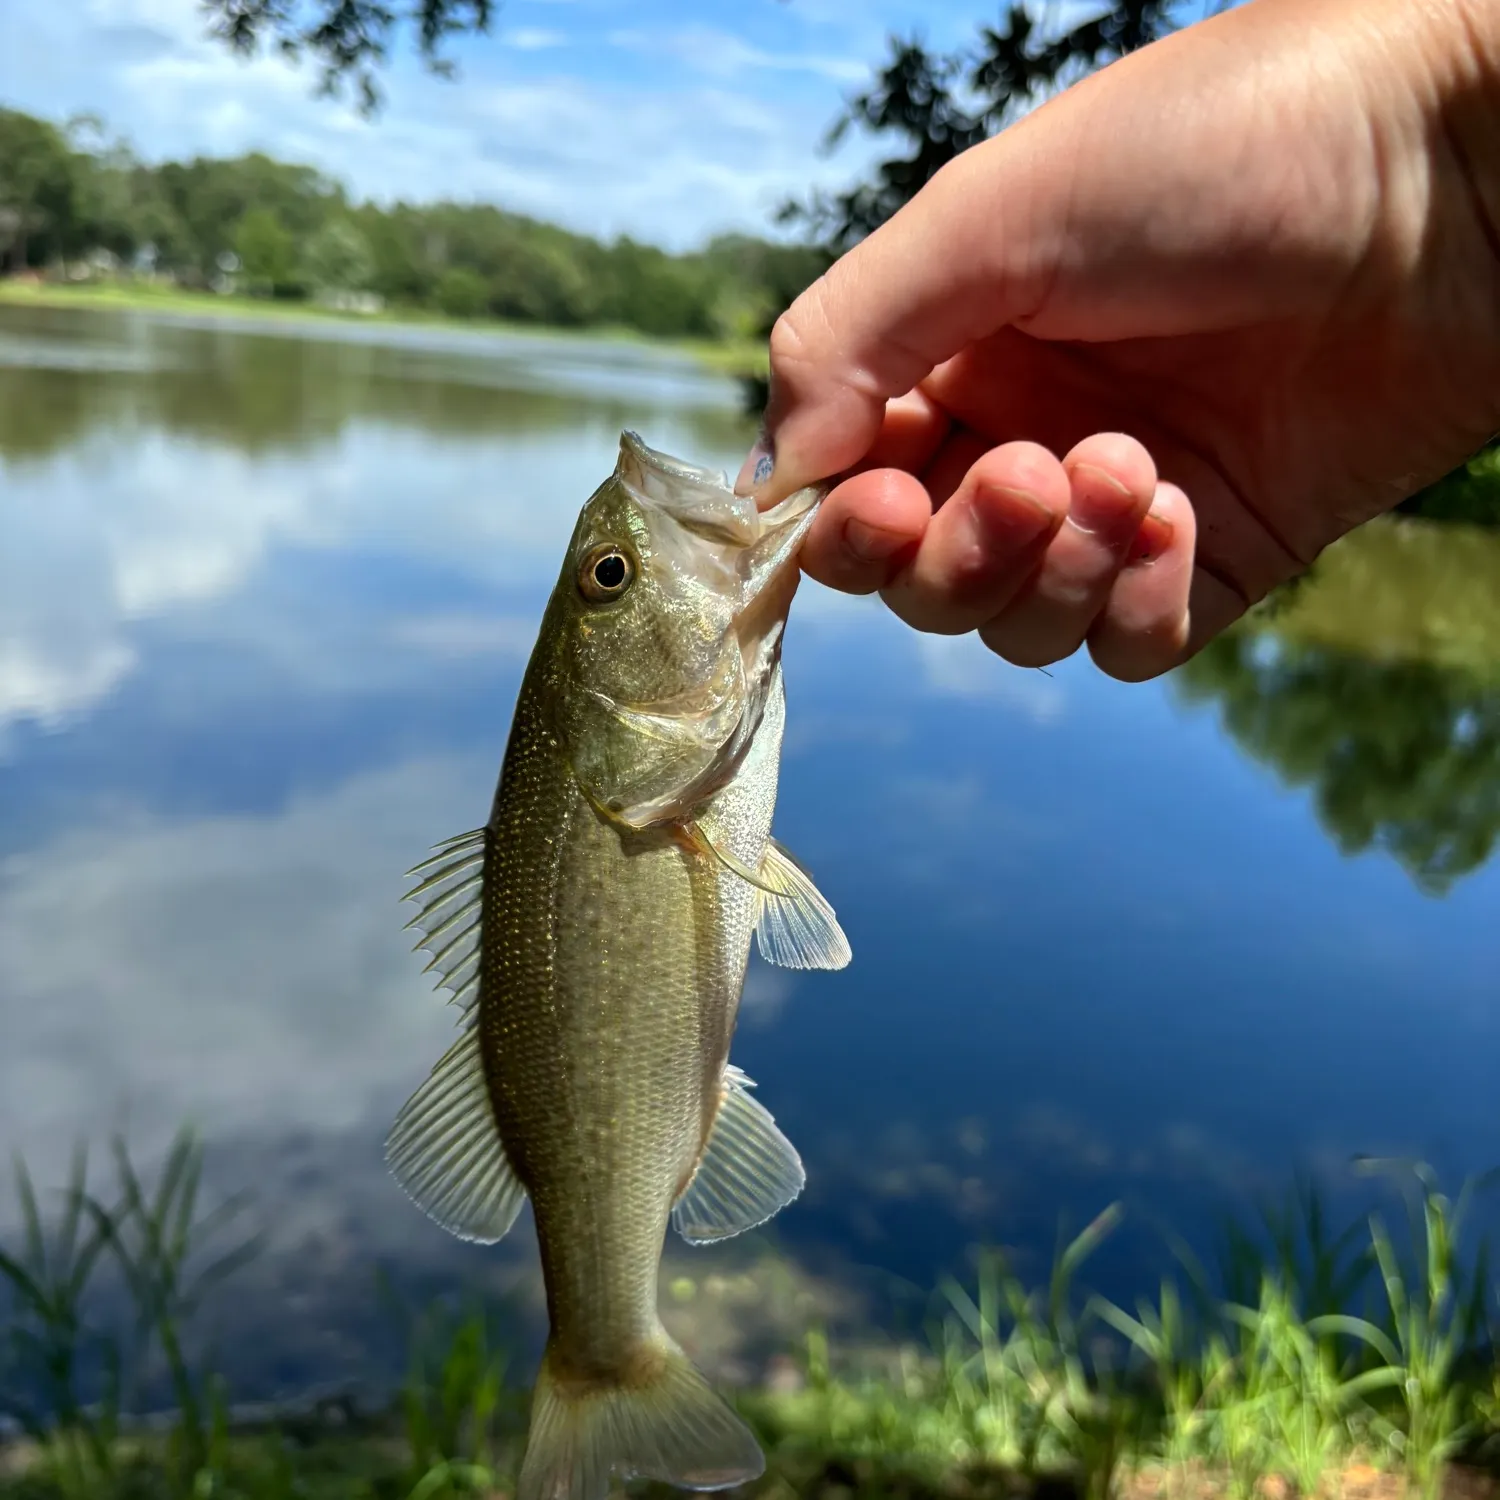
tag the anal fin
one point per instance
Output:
(445, 1150)
(748, 1174)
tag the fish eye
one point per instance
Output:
(607, 571)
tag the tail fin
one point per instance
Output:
(662, 1421)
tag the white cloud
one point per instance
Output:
(46, 681)
(765, 995)
(720, 54)
(667, 143)
(465, 634)
(532, 39)
(960, 666)
(248, 973)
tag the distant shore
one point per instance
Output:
(728, 356)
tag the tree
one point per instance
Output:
(36, 189)
(461, 293)
(347, 39)
(940, 105)
(267, 252)
(293, 229)
(1374, 681)
(1400, 756)
(1469, 494)
(338, 258)
(210, 198)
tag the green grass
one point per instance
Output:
(66, 1379)
(728, 356)
(1315, 1350)
(1278, 1381)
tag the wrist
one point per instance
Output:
(1464, 138)
(1431, 72)
(1468, 107)
(1426, 74)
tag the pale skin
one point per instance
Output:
(1113, 375)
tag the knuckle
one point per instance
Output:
(786, 343)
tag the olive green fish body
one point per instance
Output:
(611, 976)
(597, 931)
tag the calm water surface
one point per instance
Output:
(265, 599)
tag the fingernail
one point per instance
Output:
(1021, 519)
(1092, 518)
(757, 468)
(872, 543)
(1151, 540)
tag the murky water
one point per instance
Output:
(265, 598)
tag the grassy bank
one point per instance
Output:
(1319, 1363)
(726, 356)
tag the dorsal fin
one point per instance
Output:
(452, 897)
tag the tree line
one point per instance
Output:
(71, 196)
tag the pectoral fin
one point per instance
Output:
(797, 928)
(446, 1153)
(748, 1174)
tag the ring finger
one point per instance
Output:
(1111, 481)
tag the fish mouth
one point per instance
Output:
(749, 550)
(772, 566)
(701, 500)
(746, 556)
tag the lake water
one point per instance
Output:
(265, 598)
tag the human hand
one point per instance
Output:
(1245, 282)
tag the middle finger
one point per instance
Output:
(984, 540)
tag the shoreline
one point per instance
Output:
(725, 357)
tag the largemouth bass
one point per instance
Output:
(596, 931)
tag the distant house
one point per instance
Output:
(364, 303)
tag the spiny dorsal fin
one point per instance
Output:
(446, 1153)
(796, 927)
(452, 895)
(748, 1174)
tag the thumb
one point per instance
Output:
(969, 254)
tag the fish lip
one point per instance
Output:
(703, 503)
(702, 499)
(635, 451)
(774, 556)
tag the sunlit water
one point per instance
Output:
(265, 599)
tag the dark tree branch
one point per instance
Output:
(939, 106)
(350, 40)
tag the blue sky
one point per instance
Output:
(666, 119)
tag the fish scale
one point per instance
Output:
(625, 866)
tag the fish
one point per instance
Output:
(595, 933)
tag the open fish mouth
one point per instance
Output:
(748, 550)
